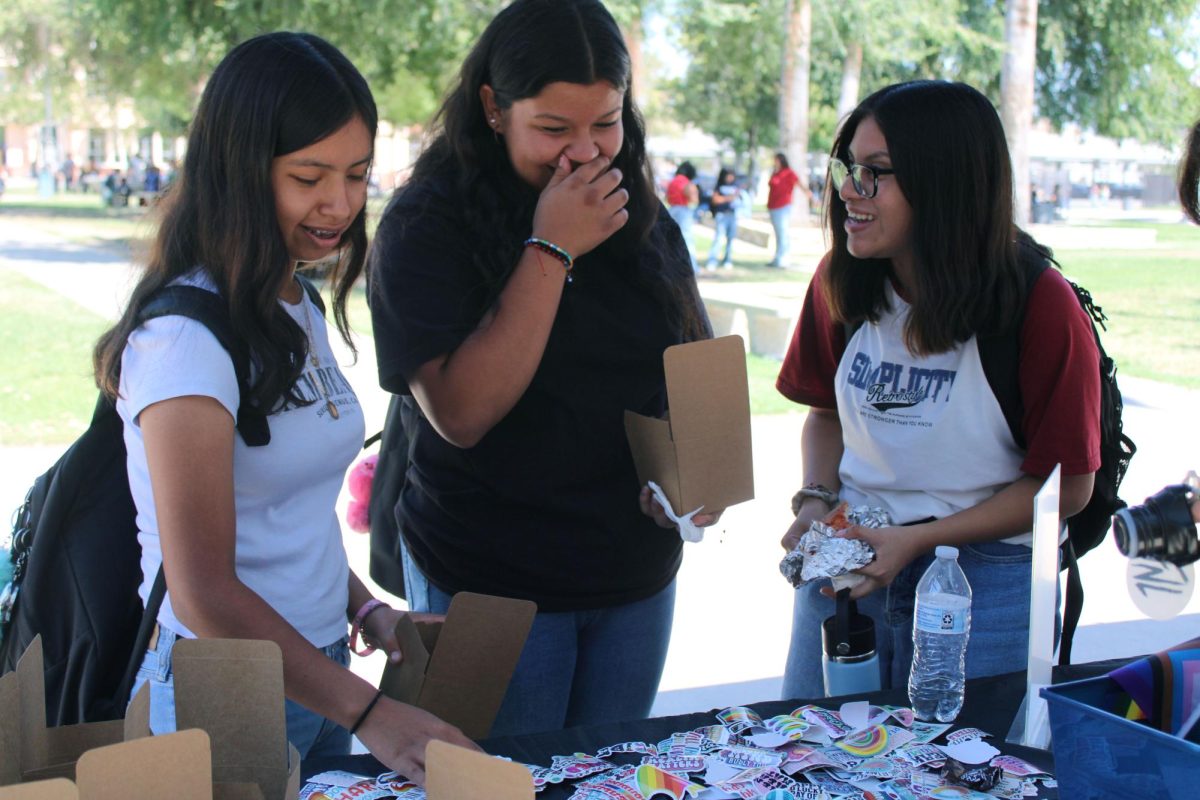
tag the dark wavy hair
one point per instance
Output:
(951, 159)
(528, 45)
(271, 95)
(1189, 176)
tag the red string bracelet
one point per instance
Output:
(551, 249)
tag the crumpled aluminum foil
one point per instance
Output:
(821, 554)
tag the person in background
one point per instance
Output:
(725, 205)
(247, 537)
(682, 197)
(781, 188)
(1189, 176)
(524, 284)
(926, 258)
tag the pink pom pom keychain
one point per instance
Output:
(359, 483)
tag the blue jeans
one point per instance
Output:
(578, 667)
(724, 224)
(684, 216)
(779, 221)
(999, 575)
(312, 734)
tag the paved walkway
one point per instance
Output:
(733, 610)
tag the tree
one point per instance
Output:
(733, 46)
(1119, 66)
(1016, 95)
(793, 101)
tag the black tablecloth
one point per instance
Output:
(990, 704)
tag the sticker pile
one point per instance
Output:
(860, 752)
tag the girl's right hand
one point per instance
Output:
(579, 210)
(397, 734)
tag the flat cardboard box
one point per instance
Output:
(454, 773)
(232, 690)
(701, 455)
(175, 765)
(53, 789)
(459, 669)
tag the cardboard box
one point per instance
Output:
(701, 455)
(53, 789)
(231, 690)
(459, 669)
(454, 773)
(29, 750)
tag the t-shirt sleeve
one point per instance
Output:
(1059, 376)
(810, 365)
(175, 356)
(425, 295)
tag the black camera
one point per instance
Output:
(1160, 528)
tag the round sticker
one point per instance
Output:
(1159, 589)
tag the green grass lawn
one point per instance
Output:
(48, 393)
(1151, 296)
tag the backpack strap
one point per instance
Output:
(1000, 354)
(209, 309)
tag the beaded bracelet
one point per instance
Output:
(823, 493)
(551, 249)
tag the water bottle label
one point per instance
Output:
(931, 619)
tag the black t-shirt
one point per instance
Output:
(545, 506)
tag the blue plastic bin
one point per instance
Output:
(1101, 756)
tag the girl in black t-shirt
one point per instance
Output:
(525, 282)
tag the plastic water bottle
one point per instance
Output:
(941, 625)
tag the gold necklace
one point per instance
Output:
(312, 355)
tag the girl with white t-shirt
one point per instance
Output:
(927, 258)
(247, 536)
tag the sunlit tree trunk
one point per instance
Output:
(851, 79)
(793, 98)
(1016, 95)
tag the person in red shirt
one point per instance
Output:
(682, 198)
(782, 185)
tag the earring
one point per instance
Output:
(492, 121)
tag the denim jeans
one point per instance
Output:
(724, 224)
(578, 667)
(312, 734)
(779, 221)
(684, 216)
(999, 575)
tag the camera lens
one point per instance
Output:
(1161, 528)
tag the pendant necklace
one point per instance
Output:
(312, 356)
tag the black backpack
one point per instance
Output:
(75, 552)
(999, 355)
(1088, 528)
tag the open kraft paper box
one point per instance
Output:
(701, 455)
(459, 669)
(229, 691)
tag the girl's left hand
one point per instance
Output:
(380, 629)
(894, 549)
(651, 508)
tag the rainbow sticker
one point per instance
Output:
(868, 742)
(651, 781)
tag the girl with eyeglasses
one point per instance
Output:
(926, 262)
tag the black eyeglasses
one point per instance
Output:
(838, 171)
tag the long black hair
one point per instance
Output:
(528, 45)
(271, 95)
(948, 149)
(1189, 176)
